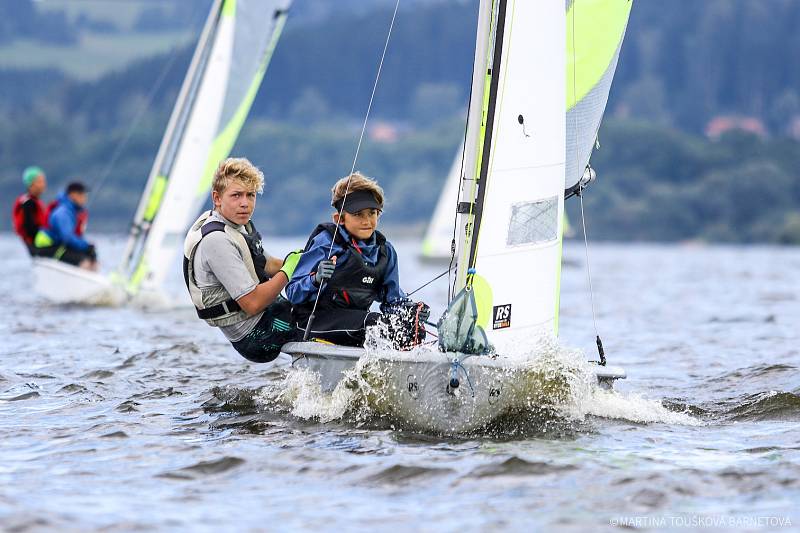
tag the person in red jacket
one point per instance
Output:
(29, 211)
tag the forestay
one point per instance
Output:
(225, 73)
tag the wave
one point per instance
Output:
(767, 405)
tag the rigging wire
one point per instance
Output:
(430, 281)
(580, 191)
(451, 285)
(355, 160)
(135, 123)
(451, 290)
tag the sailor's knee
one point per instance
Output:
(262, 358)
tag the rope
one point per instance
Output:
(355, 160)
(580, 190)
(451, 289)
(455, 366)
(134, 124)
(588, 266)
(431, 281)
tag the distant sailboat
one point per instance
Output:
(437, 244)
(509, 214)
(227, 68)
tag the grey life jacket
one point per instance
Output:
(214, 304)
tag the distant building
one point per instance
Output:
(383, 132)
(794, 127)
(724, 123)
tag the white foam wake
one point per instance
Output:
(564, 382)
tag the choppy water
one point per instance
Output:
(126, 419)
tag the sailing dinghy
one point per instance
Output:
(526, 148)
(224, 75)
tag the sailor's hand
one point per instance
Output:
(91, 252)
(414, 310)
(324, 270)
(290, 263)
(424, 312)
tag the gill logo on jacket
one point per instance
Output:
(367, 280)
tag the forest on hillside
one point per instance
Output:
(683, 65)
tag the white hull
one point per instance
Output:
(62, 283)
(416, 387)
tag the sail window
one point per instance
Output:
(533, 222)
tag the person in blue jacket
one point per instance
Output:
(62, 236)
(355, 265)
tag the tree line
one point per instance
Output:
(683, 63)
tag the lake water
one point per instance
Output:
(130, 419)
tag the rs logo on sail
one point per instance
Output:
(502, 316)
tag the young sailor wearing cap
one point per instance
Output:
(355, 268)
(28, 212)
(234, 284)
(62, 236)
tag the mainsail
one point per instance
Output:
(228, 65)
(594, 33)
(510, 221)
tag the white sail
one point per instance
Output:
(439, 236)
(516, 203)
(226, 71)
(591, 60)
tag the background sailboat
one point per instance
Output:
(436, 245)
(509, 215)
(227, 68)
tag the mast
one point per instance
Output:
(476, 122)
(482, 181)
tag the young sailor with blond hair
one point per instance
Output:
(233, 283)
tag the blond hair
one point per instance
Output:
(241, 170)
(358, 182)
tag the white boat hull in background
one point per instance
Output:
(62, 283)
(416, 387)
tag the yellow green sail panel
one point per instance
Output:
(595, 31)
